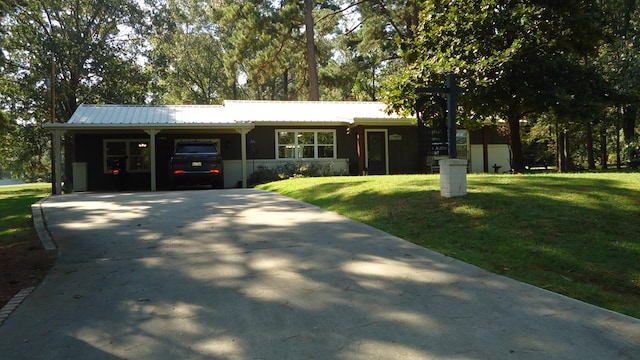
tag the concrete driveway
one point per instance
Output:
(247, 274)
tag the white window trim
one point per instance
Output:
(315, 144)
(106, 168)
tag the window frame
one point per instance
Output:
(298, 153)
(127, 142)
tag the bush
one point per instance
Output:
(265, 174)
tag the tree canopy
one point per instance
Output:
(58, 54)
(568, 65)
(515, 58)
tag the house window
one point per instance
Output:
(462, 144)
(136, 152)
(305, 144)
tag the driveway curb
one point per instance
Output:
(40, 225)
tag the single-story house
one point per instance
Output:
(355, 138)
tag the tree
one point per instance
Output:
(516, 58)
(265, 46)
(369, 50)
(187, 56)
(85, 51)
(84, 40)
(262, 44)
(619, 60)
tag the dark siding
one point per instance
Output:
(264, 143)
(403, 154)
(347, 148)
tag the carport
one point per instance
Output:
(150, 120)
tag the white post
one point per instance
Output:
(243, 144)
(453, 177)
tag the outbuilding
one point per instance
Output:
(349, 138)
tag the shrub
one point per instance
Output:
(265, 174)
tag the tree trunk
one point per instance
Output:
(604, 156)
(517, 162)
(285, 84)
(373, 83)
(563, 153)
(591, 161)
(235, 89)
(629, 114)
(314, 87)
(618, 147)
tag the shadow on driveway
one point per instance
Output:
(248, 274)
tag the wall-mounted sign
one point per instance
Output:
(395, 137)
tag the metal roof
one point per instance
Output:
(232, 114)
(148, 115)
(304, 111)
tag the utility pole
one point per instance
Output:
(52, 81)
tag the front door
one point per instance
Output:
(377, 152)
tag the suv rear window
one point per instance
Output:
(196, 148)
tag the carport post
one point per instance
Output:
(243, 143)
(152, 145)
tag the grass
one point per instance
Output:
(23, 260)
(15, 211)
(574, 234)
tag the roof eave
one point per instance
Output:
(67, 126)
(302, 123)
(384, 121)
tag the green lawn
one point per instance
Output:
(15, 211)
(574, 234)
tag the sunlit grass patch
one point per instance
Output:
(15, 210)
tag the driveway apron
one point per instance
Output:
(248, 274)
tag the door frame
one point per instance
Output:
(386, 148)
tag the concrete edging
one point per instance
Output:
(41, 226)
(16, 300)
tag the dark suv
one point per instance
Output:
(195, 163)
